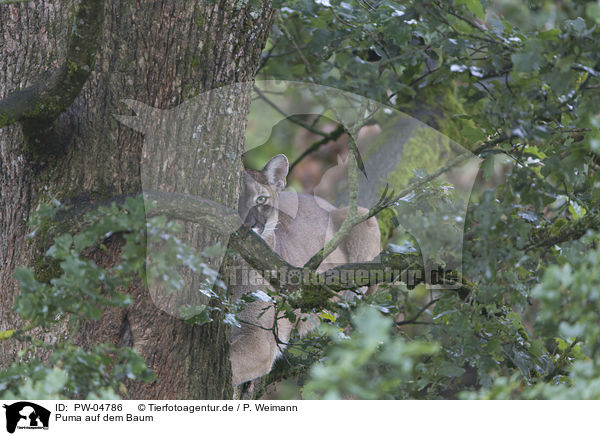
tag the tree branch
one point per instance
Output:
(194, 209)
(291, 118)
(549, 236)
(40, 104)
(386, 200)
(354, 164)
(334, 135)
(390, 267)
(414, 319)
(283, 276)
(389, 199)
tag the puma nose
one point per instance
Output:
(252, 220)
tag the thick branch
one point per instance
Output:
(284, 277)
(191, 208)
(219, 218)
(45, 100)
(389, 268)
(547, 237)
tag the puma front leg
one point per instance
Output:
(252, 354)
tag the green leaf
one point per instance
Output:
(449, 369)
(593, 11)
(551, 34)
(55, 381)
(327, 316)
(196, 315)
(474, 6)
(61, 247)
(473, 134)
(526, 62)
(83, 240)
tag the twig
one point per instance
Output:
(300, 53)
(470, 23)
(419, 313)
(354, 163)
(265, 58)
(389, 199)
(334, 135)
(289, 117)
(545, 237)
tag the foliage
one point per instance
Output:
(568, 314)
(515, 82)
(74, 373)
(82, 290)
(518, 83)
(372, 364)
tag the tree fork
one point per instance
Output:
(38, 106)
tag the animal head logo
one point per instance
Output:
(25, 414)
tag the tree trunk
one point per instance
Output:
(161, 54)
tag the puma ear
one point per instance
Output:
(276, 171)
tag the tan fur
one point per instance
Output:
(296, 227)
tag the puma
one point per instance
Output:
(296, 226)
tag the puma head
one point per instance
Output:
(258, 204)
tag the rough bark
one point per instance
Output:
(160, 53)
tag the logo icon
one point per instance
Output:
(26, 415)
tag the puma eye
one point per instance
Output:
(261, 199)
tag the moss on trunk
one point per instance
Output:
(145, 54)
